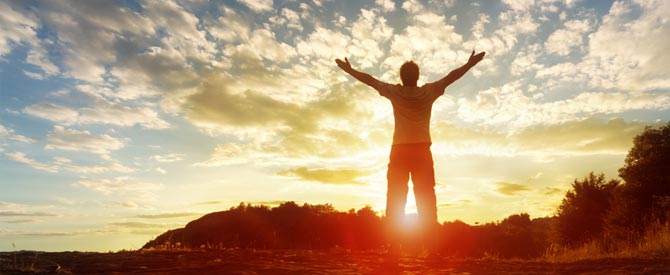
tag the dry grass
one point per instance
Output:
(655, 243)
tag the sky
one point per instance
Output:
(122, 119)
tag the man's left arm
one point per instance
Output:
(458, 73)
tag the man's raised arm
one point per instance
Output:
(361, 76)
(458, 73)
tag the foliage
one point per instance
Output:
(582, 212)
(292, 226)
(645, 196)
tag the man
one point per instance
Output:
(410, 152)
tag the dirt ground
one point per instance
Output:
(301, 262)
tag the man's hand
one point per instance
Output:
(344, 65)
(474, 59)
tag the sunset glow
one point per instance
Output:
(120, 120)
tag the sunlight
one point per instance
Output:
(410, 222)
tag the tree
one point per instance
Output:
(581, 214)
(646, 173)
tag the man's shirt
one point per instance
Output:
(412, 108)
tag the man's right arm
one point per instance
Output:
(361, 76)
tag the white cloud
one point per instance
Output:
(293, 19)
(66, 164)
(9, 134)
(60, 163)
(264, 43)
(9, 209)
(118, 114)
(629, 51)
(386, 5)
(512, 28)
(32, 75)
(74, 140)
(480, 25)
(522, 5)
(526, 60)
(563, 41)
(258, 5)
(625, 53)
(232, 153)
(21, 158)
(368, 33)
(428, 40)
(52, 112)
(511, 106)
(101, 25)
(17, 28)
(103, 112)
(181, 27)
(121, 186)
(232, 27)
(172, 157)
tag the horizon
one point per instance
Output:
(121, 120)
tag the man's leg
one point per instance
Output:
(423, 179)
(396, 194)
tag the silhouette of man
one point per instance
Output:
(410, 152)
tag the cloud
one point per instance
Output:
(9, 134)
(138, 225)
(563, 41)
(522, 5)
(21, 158)
(102, 24)
(576, 137)
(16, 28)
(511, 105)
(142, 228)
(386, 5)
(103, 112)
(124, 204)
(328, 176)
(258, 5)
(19, 27)
(21, 221)
(121, 186)
(168, 215)
(172, 157)
(526, 60)
(66, 164)
(271, 127)
(232, 26)
(209, 202)
(26, 214)
(73, 140)
(627, 51)
(52, 112)
(116, 114)
(59, 163)
(630, 52)
(550, 191)
(510, 189)
(37, 233)
(428, 39)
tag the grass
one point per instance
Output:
(655, 243)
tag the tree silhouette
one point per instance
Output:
(581, 214)
(646, 171)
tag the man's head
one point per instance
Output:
(409, 73)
